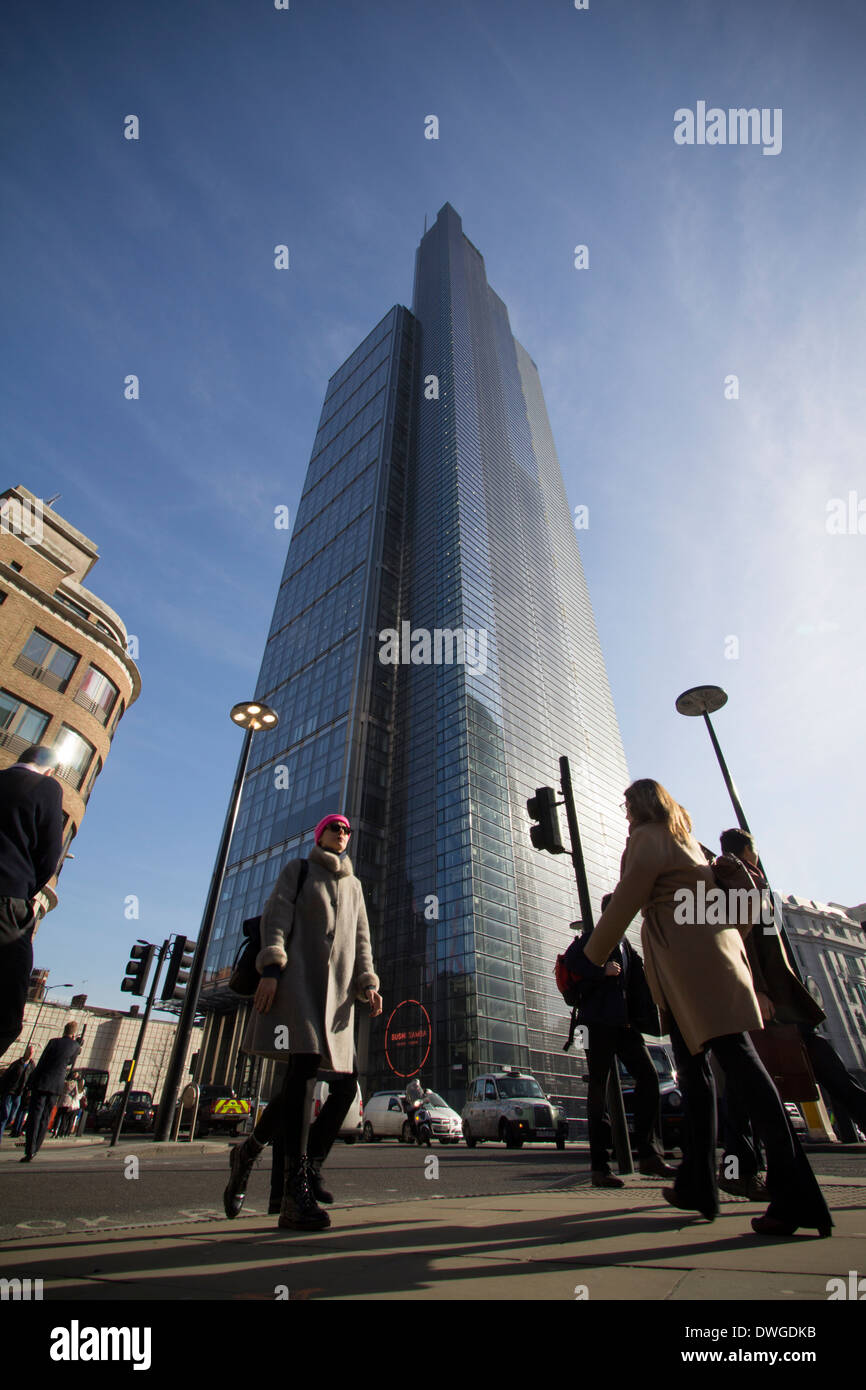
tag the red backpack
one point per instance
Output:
(568, 982)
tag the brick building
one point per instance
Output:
(66, 678)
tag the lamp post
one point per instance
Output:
(42, 1006)
(250, 715)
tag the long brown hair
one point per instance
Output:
(648, 801)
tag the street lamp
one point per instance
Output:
(250, 715)
(69, 985)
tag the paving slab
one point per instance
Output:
(542, 1246)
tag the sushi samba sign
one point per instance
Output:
(407, 1038)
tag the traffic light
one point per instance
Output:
(179, 966)
(546, 834)
(126, 1070)
(138, 969)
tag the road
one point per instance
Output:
(88, 1188)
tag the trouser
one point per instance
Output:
(738, 1138)
(16, 963)
(41, 1104)
(793, 1190)
(607, 1041)
(285, 1121)
(831, 1074)
(9, 1105)
(64, 1128)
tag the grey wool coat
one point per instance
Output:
(698, 973)
(322, 946)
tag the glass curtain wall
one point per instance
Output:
(475, 916)
(331, 748)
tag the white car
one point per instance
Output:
(385, 1117)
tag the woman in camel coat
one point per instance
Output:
(700, 979)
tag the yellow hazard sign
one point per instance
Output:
(231, 1107)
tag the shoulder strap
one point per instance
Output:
(302, 875)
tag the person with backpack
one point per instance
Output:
(616, 1008)
(315, 962)
(700, 979)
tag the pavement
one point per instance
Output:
(569, 1241)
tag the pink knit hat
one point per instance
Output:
(327, 821)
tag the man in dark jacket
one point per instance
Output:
(31, 839)
(46, 1084)
(782, 999)
(615, 1008)
(12, 1085)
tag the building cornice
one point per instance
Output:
(27, 589)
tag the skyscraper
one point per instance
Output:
(432, 653)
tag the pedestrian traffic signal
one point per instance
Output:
(138, 969)
(546, 834)
(179, 967)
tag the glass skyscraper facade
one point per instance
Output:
(432, 654)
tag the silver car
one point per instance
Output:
(511, 1106)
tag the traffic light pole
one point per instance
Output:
(171, 1085)
(576, 849)
(616, 1108)
(163, 951)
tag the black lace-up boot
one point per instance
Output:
(242, 1160)
(300, 1211)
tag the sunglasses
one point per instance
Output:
(338, 827)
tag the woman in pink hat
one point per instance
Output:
(315, 962)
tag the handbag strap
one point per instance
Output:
(252, 925)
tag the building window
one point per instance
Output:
(95, 771)
(20, 724)
(47, 661)
(14, 565)
(97, 694)
(109, 633)
(70, 830)
(76, 607)
(117, 718)
(74, 754)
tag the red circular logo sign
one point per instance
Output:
(408, 1034)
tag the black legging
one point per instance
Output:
(288, 1113)
(285, 1122)
(792, 1187)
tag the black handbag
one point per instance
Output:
(244, 979)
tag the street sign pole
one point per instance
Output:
(616, 1108)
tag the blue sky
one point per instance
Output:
(707, 515)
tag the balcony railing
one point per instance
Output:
(15, 744)
(73, 775)
(91, 706)
(41, 673)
